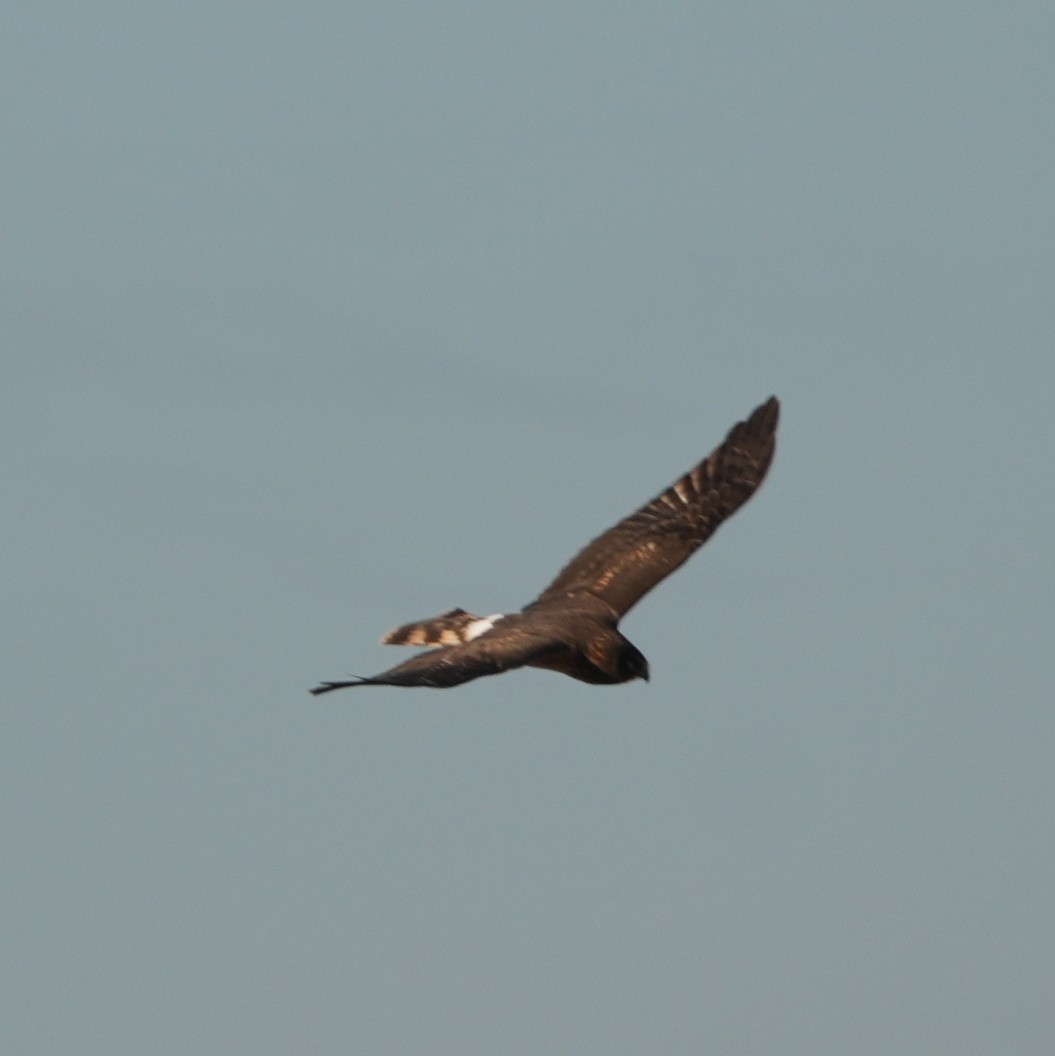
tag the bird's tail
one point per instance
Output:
(449, 628)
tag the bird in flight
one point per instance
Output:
(573, 625)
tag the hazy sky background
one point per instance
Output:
(318, 318)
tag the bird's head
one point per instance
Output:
(632, 662)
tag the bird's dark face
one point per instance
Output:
(632, 662)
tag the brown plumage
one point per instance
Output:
(572, 626)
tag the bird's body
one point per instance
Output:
(572, 627)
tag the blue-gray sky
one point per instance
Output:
(317, 318)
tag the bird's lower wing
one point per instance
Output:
(492, 653)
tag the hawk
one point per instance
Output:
(573, 625)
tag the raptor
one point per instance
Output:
(573, 625)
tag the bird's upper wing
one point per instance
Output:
(500, 649)
(628, 560)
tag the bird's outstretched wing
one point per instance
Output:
(628, 560)
(500, 649)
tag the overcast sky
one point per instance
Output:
(318, 318)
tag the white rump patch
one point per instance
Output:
(481, 626)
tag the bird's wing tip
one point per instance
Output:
(326, 687)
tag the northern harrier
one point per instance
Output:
(572, 626)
